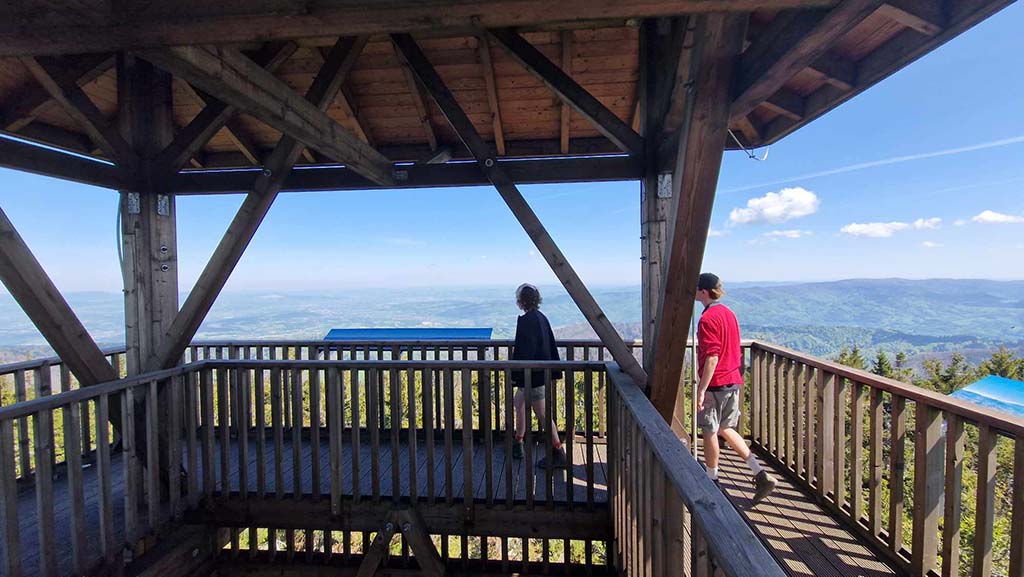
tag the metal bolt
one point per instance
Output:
(267, 172)
(388, 527)
(489, 162)
(407, 527)
(164, 249)
(165, 268)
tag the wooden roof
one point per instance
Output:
(381, 102)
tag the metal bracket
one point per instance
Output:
(665, 185)
(133, 203)
(163, 205)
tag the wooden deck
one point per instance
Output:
(806, 539)
(449, 480)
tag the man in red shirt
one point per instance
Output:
(719, 359)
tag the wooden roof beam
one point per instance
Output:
(566, 112)
(254, 209)
(65, 90)
(29, 284)
(925, 16)
(520, 208)
(191, 139)
(47, 162)
(230, 76)
(346, 99)
(484, 49)
(787, 103)
(719, 38)
(838, 71)
(555, 78)
(790, 43)
(417, 100)
(26, 104)
(156, 24)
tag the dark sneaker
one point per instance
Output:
(517, 449)
(764, 484)
(558, 460)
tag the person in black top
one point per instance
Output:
(534, 342)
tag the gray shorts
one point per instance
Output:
(721, 410)
(536, 393)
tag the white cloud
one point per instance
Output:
(930, 244)
(923, 223)
(717, 232)
(959, 222)
(992, 217)
(776, 207)
(874, 229)
(788, 233)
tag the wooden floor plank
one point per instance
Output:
(805, 539)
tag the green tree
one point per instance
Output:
(882, 367)
(903, 371)
(851, 358)
(1003, 363)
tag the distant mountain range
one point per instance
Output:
(915, 316)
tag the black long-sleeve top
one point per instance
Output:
(534, 342)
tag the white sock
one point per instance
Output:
(753, 464)
(713, 473)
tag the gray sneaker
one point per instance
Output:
(558, 460)
(517, 449)
(764, 484)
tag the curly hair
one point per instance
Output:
(528, 297)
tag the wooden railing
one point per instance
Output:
(900, 464)
(224, 432)
(37, 378)
(669, 519)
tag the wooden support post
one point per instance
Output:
(254, 208)
(718, 39)
(514, 199)
(148, 222)
(929, 482)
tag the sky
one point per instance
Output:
(921, 176)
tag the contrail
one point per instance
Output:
(885, 162)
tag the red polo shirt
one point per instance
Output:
(718, 334)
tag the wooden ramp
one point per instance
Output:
(803, 537)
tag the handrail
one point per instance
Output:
(734, 549)
(855, 439)
(972, 411)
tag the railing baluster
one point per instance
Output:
(875, 409)
(131, 467)
(24, 453)
(955, 435)
(260, 407)
(103, 475)
(789, 407)
(297, 418)
(509, 437)
(897, 464)
(487, 426)
(410, 382)
(985, 504)
(929, 478)
(857, 396)
(314, 424)
(276, 423)
(812, 413)
(372, 420)
(9, 502)
(570, 434)
(798, 418)
(449, 425)
(588, 410)
(394, 386)
(243, 421)
(152, 456)
(839, 438)
(1017, 521)
(224, 431)
(467, 444)
(335, 425)
(826, 432)
(356, 425)
(73, 456)
(773, 406)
